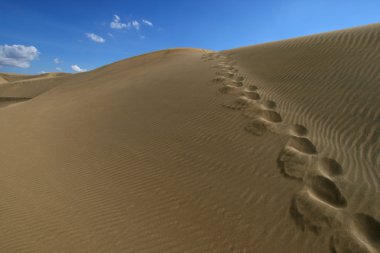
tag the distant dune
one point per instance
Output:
(268, 148)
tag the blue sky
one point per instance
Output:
(80, 34)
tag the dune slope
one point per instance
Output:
(269, 148)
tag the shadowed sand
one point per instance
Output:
(268, 148)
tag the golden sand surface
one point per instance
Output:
(267, 148)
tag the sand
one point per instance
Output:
(268, 148)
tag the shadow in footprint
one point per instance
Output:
(239, 78)
(331, 167)
(252, 95)
(228, 89)
(303, 145)
(236, 83)
(298, 130)
(226, 74)
(368, 226)
(219, 79)
(327, 191)
(251, 88)
(269, 104)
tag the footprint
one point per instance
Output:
(239, 78)
(216, 66)
(252, 95)
(251, 88)
(368, 226)
(228, 81)
(327, 191)
(269, 104)
(257, 127)
(256, 110)
(238, 104)
(292, 163)
(298, 130)
(219, 79)
(271, 116)
(226, 74)
(236, 83)
(303, 145)
(345, 242)
(309, 214)
(229, 89)
(227, 68)
(331, 167)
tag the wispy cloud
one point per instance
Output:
(17, 55)
(95, 38)
(76, 68)
(136, 24)
(117, 24)
(59, 69)
(57, 61)
(147, 22)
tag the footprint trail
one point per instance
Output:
(320, 206)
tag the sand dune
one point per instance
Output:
(17, 88)
(268, 148)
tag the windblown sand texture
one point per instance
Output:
(268, 148)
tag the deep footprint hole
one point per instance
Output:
(303, 144)
(299, 130)
(252, 88)
(327, 191)
(331, 166)
(269, 104)
(252, 95)
(368, 226)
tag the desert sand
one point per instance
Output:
(267, 148)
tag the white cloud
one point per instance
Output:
(76, 68)
(147, 22)
(17, 55)
(43, 72)
(57, 61)
(116, 24)
(96, 38)
(110, 35)
(136, 24)
(58, 69)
